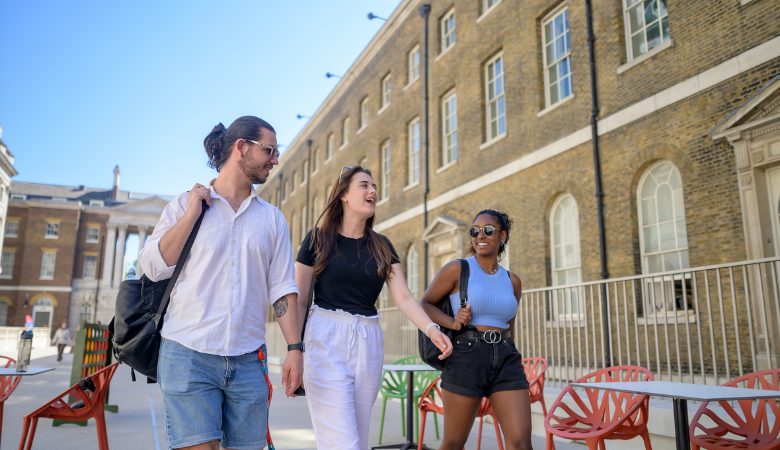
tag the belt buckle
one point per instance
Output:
(491, 336)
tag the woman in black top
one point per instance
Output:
(344, 342)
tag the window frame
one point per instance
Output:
(413, 270)
(577, 241)
(413, 70)
(305, 173)
(629, 35)
(387, 155)
(16, 233)
(331, 145)
(497, 98)
(563, 9)
(387, 91)
(445, 34)
(86, 310)
(316, 162)
(96, 239)
(294, 182)
(54, 227)
(447, 160)
(364, 114)
(344, 133)
(94, 202)
(486, 9)
(643, 254)
(43, 275)
(413, 155)
(84, 268)
(18, 197)
(3, 262)
(304, 222)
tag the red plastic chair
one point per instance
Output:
(534, 370)
(7, 385)
(625, 419)
(427, 404)
(89, 404)
(752, 425)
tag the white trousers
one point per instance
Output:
(342, 374)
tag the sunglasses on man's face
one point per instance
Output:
(272, 151)
(488, 230)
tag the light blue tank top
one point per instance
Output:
(492, 297)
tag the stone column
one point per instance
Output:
(141, 240)
(120, 255)
(108, 256)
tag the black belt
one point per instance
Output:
(491, 336)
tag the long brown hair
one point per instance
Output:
(324, 238)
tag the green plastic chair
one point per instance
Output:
(394, 386)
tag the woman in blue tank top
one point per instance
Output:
(484, 361)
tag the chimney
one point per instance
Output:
(115, 190)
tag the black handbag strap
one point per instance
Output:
(185, 252)
(308, 307)
(464, 282)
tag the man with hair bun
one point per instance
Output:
(211, 377)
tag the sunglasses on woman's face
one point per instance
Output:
(488, 230)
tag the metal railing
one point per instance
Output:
(702, 325)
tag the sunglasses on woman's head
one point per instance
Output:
(342, 172)
(488, 230)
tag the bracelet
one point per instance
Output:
(428, 328)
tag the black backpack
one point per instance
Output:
(138, 319)
(428, 350)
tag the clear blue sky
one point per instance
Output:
(88, 85)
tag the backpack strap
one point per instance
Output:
(185, 252)
(464, 282)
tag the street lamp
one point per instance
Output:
(301, 116)
(328, 75)
(371, 16)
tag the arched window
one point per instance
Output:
(3, 313)
(85, 313)
(315, 210)
(565, 245)
(663, 236)
(413, 271)
(565, 252)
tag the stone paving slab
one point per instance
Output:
(140, 422)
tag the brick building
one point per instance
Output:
(64, 249)
(688, 135)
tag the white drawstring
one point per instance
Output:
(355, 327)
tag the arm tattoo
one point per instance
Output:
(280, 307)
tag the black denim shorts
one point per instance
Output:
(478, 369)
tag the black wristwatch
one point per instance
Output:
(298, 346)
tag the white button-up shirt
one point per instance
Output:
(238, 263)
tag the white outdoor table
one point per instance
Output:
(680, 393)
(11, 371)
(410, 369)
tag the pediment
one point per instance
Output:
(761, 107)
(152, 205)
(442, 225)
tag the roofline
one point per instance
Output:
(383, 35)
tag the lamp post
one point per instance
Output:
(371, 16)
(301, 116)
(330, 75)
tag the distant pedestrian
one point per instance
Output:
(212, 381)
(61, 339)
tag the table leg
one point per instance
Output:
(681, 424)
(409, 444)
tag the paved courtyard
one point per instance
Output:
(140, 422)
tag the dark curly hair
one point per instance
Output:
(504, 222)
(220, 141)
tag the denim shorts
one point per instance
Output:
(209, 397)
(478, 369)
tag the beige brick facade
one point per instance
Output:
(704, 34)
